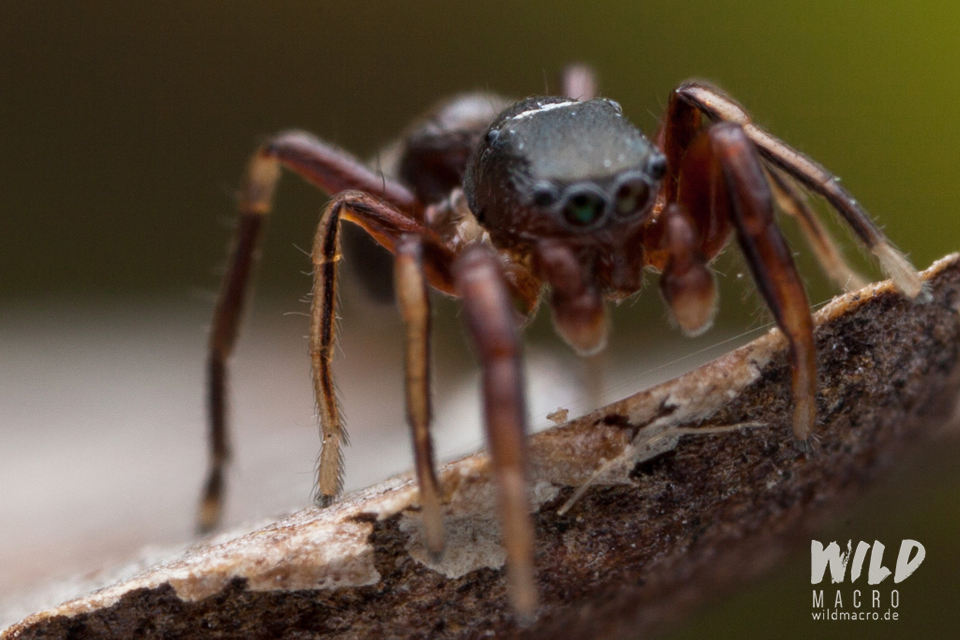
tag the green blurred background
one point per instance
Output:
(124, 129)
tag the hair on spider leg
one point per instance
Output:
(204, 295)
(304, 252)
(810, 445)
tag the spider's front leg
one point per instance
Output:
(492, 324)
(721, 181)
(692, 99)
(724, 173)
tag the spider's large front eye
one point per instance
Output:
(632, 196)
(584, 208)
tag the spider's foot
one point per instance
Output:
(804, 446)
(324, 500)
(211, 505)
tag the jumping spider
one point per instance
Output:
(494, 202)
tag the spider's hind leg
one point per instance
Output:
(579, 82)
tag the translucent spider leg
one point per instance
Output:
(320, 164)
(386, 225)
(579, 82)
(492, 324)
(701, 97)
(414, 304)
(793, 202)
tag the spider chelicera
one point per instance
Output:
(495, 202)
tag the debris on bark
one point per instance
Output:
(677, 517)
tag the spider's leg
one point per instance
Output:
(491, 322)
(792, 201)
(386, 225)
(722, 179)
(676, 248)
(223, 336)
(414, 305)
(578, 309)
(320, 164)
(720, 107)
(579, 312)
(332, 169)
(579, 82)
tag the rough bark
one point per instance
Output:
(661, 533)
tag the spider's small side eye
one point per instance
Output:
(632, 196)
(544, 196)
(584, 208)
(492, 135)
(657, 166)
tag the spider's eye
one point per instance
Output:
(584, 208)
(492, 135)
(657, 166)
(544, 196)
(632, 196)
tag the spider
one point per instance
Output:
(497, 202)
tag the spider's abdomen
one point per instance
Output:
(436, 148)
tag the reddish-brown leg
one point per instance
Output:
(700, 97)
(721, 178)
(491, 321)
(683, 123)
(677, 249)
(320, 164)
(414, 304)
(579, 311)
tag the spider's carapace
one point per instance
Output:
(496, 202)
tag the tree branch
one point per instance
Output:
(674, 524)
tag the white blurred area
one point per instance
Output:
(102, 433)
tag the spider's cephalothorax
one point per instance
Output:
(569, 183)
(560, 168)
(493, 202)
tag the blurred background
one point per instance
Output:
(123, 133)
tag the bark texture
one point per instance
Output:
(684, 517)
